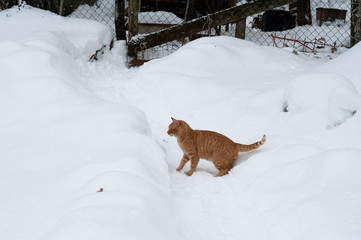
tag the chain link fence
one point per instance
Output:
(306, 25)
(102, 11)
(328, 25)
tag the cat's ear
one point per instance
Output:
(176, 122)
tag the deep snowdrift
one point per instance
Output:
(40, 28)
(304, 182)
(71, 127)
(323, 95)
(60, 144)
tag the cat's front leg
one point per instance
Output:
(194, 164)
(183, 162)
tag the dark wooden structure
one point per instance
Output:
(329, 14)
(278, 20)
(304, 12)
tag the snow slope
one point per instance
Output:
(304, 183)
(60, 144)
(71, 127)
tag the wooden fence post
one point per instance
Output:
(355, 22)
(304, 16)
(241, 29)
(61, 7)
(119, 20)
(133, 10)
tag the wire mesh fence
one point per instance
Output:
(102, 11)
(306, 25)
(328, 24)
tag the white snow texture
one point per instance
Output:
(84, 152)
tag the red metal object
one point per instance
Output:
(289, 39)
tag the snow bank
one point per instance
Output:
(60, 144)
(347, 65)
(315, 197)
(323, 95)
(76, 37)
(102, 11)
(302, 184)
(206, 72)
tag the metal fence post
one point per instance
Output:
(119, 20)
(355, 22)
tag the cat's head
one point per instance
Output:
(173, 128)
(177, 127)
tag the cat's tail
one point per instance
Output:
(246, 148)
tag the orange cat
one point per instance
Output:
(209, 145)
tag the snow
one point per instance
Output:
(102, 11)
(71, 127)
(323, 94)
(74, 36)
(61, 144)
(160, 17)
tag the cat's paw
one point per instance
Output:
(178, 169)
(189, 173)
(220, 174)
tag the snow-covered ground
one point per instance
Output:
(84, 152)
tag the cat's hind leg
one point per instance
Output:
(183, 162)
(223, 167)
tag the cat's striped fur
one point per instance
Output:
(208, 145)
